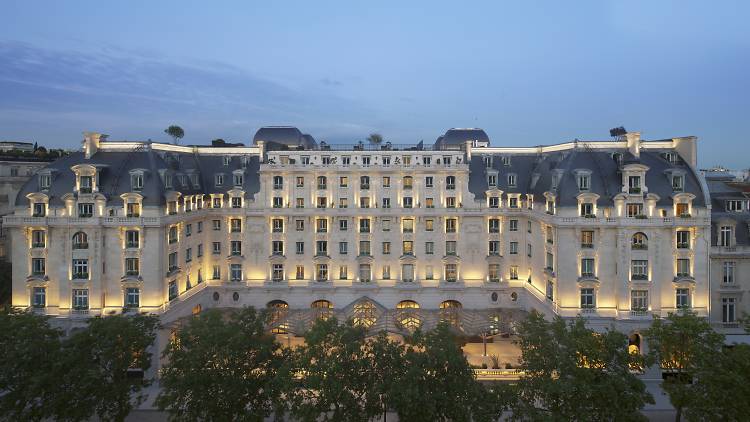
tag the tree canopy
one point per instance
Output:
(223, 366)
(574, 373)
(375, 138)
(175, 132)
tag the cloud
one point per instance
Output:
(50, 94)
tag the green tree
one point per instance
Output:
(574, 373)
(223, 366)
(175, 132)
(29, 352)
(438, 384)
(699, 369)
(375, 139)
(334, 379)
(385, 368)
(96, 368)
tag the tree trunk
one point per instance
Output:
(678, 414)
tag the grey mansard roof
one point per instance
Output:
(154, 163)
(534, 174)
(724, 187)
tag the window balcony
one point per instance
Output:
(132, 245)
(172, 268)
(450, 187)
(81, 245)
(365, 186)
(683, 245)
(171, 241)
(132, 273)
(322, 186)
(80, 276)
(133, 214)
(38, 245)
(85, 215)
(639, 246)
(38, 273)
(38, 214)
(364, 254)
(634, 190)
(587, 245)
(277, 187)
(639, 277)
(363, 230)
(84, 189)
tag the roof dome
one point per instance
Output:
(284, 136)
(458, 136)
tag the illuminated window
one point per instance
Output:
(365, 314)
(278, 311)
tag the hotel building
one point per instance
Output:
(394, 237)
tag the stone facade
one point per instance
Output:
(394, 237)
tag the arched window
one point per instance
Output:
(277, 318)
(407, 315)
(322, 309)
(365, 314)
(80, 241)
(639, 241)
(450, 182)
(450, 312)
(408, 182)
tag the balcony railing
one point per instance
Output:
(132, 245)
(80, 276)
(81, 245)
(131, 273)
(38, 245)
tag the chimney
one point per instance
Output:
(91, 143)
(687, 147)
(634, 143)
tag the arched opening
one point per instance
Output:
(80, 240)
(278, 310)
(639, 241)
(408, 315)
(450, 312)
(322, 309)
(365, 314)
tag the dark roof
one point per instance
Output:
(723, 187)
(284, 137)
(460, 136)
(534, 174)
(154, 162)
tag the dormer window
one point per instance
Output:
(133, 209)
(671, 157)
(238, 179)
(219, 179)
(39, 209)
(85, 210)
(494, 202)
(634, 184)
(584, 182)
(168, 181)
(487, 161)
(511, 180)
(227, 160)
(136, 181)
(735, 205)
(506, 160)
(678, 182)
(86, 184)
(45, 181)
(587, 209)
(492, 180)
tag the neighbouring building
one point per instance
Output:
(394, 237)
(730, 251)
(8, 146)
(15, 171)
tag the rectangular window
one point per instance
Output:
(682, 298)
(216, 272)
(683, 268)
(639, 300)
(728, 271)
(132, 266)
(299, 202)
(450, 202)
(511, 180)
(386, 202)
(587, 209)
(364, 248)
(322, 248)
(550, 262)
(343, 272)
(513, 272)
(735, 205)
(429, 203)
(236, 202)
(429, 273)
(450, 247)
(494, 247)
(678, 183)
(407, 246)
(277, 272)
(277, 225)
(639, 269)
(80, 299)
(343, 224)
(277, 247)
(407, 202)
(218, 179)
(587, 298)
(550, 290)
(364, 202)
(364, 225)
(634, 184)
(634, 210)
(200, 250)
(493, 273)
(278, 202)
(494, 225)
(450, 225)
(386, 272)
(38, 266)
(428, 182)
(299, 225)
(132, 297)
(683, 239)
(587, 239)
(300, 248)
(133, 210)
(173, 293)
(80, 268)
(587, 267)
(682, 210)
(86, 184)
(188, 230)
(300, 182)
(39, 297)
(429, 225)
(408, 225)
(85, 210)
(238, 179)
(513, 250)
(583, 182)
(321, 225)
(343, 182)
(407, 273)
(364, 273)
(513, 225)
(299, 272)
(39, 209)
(216, 248)
(216, 224)
(38, 239)
(386, 248)
(386, 224)
(343, 248)
(727, 310)
(235, 272)
(236, 246)
(321, 272)
(322, 202)
(45, 180)
(494, 202)
(451, 273)
(725, 236)
(188, 255)
(492, 180)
